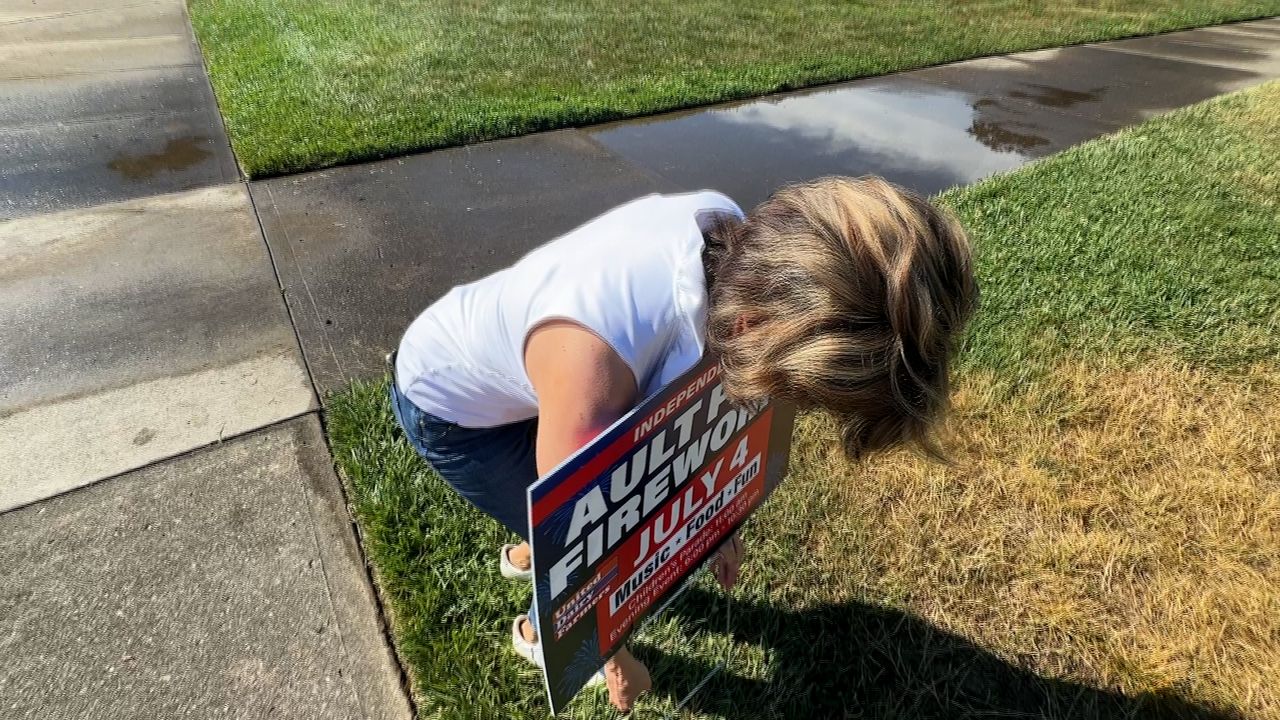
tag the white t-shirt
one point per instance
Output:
(633, 276)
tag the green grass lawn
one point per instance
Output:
(304, 84)
(1106, 544)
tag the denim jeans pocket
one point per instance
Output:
(424, 430)
(432, 431)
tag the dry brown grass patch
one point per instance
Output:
(1118, 527)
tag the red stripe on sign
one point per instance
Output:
(592, 470)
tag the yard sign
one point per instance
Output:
(618, 526)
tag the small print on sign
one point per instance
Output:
(618, 527)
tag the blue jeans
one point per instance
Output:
(490, 467)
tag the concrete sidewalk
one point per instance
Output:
(173, 539)
(143, 329)
(103, 101)
(224, 584)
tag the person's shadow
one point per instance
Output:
(854, 660)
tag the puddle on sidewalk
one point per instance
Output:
(178, 154)
(1051, 96)
(925, 136)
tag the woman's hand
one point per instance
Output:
(627, 678)
(727, 561)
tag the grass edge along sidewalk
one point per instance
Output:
(304, 84)
(1112, 519)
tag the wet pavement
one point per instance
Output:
(1086, 83)
(927, 129)
(362, 249)
(136, 331)
(1271, 24)
(914, 133)
(224, 584)
(1233, 36)
(1247, 55)
(103, 102)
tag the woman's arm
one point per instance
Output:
(583, 387)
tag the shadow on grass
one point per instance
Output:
(854, 660)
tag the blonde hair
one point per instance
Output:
(843, 294)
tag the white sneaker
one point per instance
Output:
(525, 649)
(510, 571)
(533, 651)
